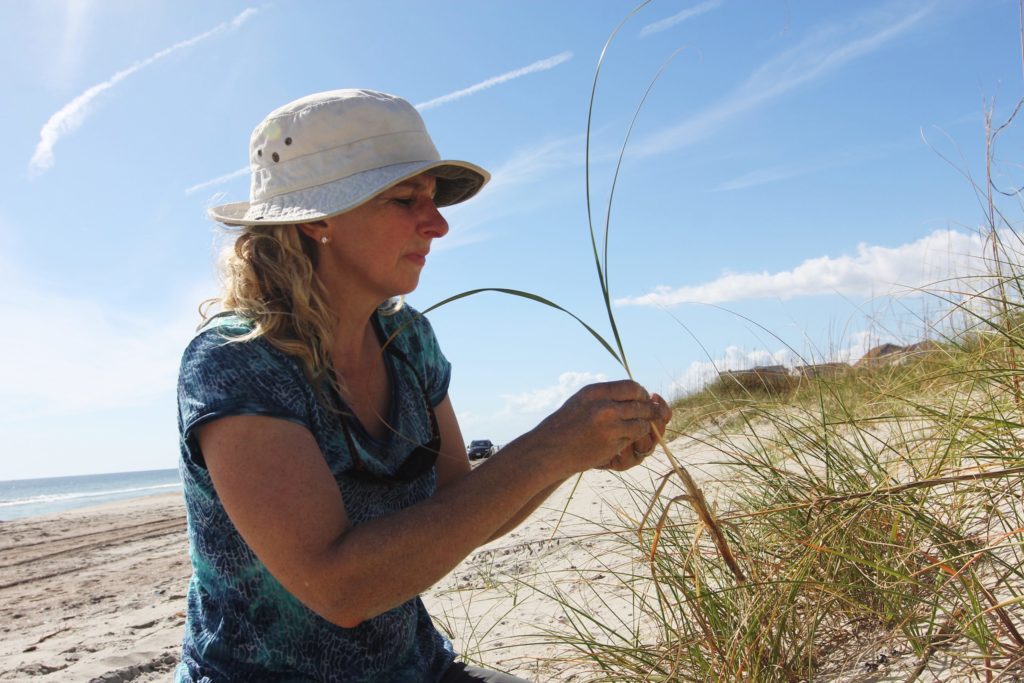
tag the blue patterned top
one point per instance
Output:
(242, 625)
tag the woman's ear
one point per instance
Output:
(313, 230)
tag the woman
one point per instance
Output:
(326, 480)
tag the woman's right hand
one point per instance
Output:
(595, 424)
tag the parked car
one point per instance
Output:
(480, 448)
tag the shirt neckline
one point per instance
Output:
(353, 421)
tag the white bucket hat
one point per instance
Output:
(327, 153)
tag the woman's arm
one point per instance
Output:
(453, 464)
(452, 461)
(282, 498)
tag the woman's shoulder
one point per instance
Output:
(406, 327)
(226, 367)
(226, 370)
(226, 341)
(224, 327)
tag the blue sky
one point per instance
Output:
(786, 174)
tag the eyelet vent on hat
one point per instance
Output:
(276, 156)
(287, 141)
(259, 152)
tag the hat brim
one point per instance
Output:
(457, 181)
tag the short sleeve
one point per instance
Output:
(220, 377)
(417, 341)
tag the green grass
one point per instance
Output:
(877, 512)
(880, 508)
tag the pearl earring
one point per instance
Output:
(324, 240)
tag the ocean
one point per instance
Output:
(31, 497)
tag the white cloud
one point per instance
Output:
(527, 165)
(781, 172)
(72, 115)
(541, 65)
(680, 17)
(815, 57)
(547, 399)
(872, 271)
(218, 180)
(763, 176)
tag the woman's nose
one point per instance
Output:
(433, 223)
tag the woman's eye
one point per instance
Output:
(403, 202)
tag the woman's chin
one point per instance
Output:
(403, 291)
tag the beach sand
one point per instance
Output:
(95, 594)
(99, 594)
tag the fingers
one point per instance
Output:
(621, 390)
(643, 446)
(666, 411)
(653, 414)
(628, 405)
(629, 457)
(621, 462)
(611, 425)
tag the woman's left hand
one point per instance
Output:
(635, 453)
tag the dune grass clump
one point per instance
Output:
(876, 512)
(865, 537)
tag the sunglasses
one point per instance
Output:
(422, 458)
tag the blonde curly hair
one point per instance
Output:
(269, 277)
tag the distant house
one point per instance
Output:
(879, 354)
(923, 347)
(771, 378)
(821, 369)
(894, 353)
(770, 369)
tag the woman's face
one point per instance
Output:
(380, 248)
